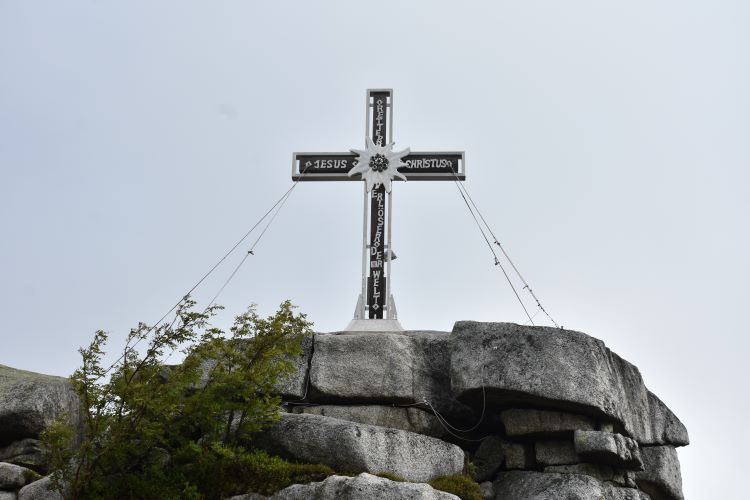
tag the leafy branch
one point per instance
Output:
(150, 430)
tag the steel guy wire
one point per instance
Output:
(444, 422)
(200, 281)
(489, 245)
(301, 401)
(502, 249)
(464, 189)
(534, 316)
(445, 425)
(252, 248)
(481, 417)
(283, 201)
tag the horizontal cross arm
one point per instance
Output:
(421, 166)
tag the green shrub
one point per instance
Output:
(460, 485)
(157, 433)
(225, 471)
(30, 476)
(472, 470)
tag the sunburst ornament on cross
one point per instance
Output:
(379, 164)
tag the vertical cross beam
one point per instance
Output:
(376, 280)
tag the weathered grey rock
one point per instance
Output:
(29, 402)
(40, 490)
(384, 368)
(540, 366)
(8, 495)
(363, 486)
(542, 423)
(407, 419)
(294, 385)
(348, 446)
(661, 477)
(597, 471)
(488, 490)
(629, 478)
(25, 453)
(375, 367)
(13, 477)
(666, 428)
(610, 449)
(555, 452)
(528, 485)
(432, 377)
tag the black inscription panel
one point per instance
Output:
(376, 284)
(324, 164)
(431, 163)
(379, 107)
(336, 166)
(376, 289)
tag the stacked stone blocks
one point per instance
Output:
(537, 413)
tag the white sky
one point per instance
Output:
(606, 142)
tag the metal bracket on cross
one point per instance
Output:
(378, 166)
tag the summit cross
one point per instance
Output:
(378, 165)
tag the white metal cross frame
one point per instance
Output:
(378, 166)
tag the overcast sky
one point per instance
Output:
(606, 144)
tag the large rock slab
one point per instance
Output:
(356, 488)
(40, 490)
(407, 419)
(382, 368)
(666, 428)
(522, 423)
(13, 477)
(351, 447)
(597, 471)
(555, 453)
(661, 477)
(29, 402)
(607, 448)
(361, 368)
(553, 368)
(528, 485)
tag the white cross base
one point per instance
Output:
(373, 325)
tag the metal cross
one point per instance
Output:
(375, 308)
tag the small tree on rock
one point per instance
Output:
(185, 431)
